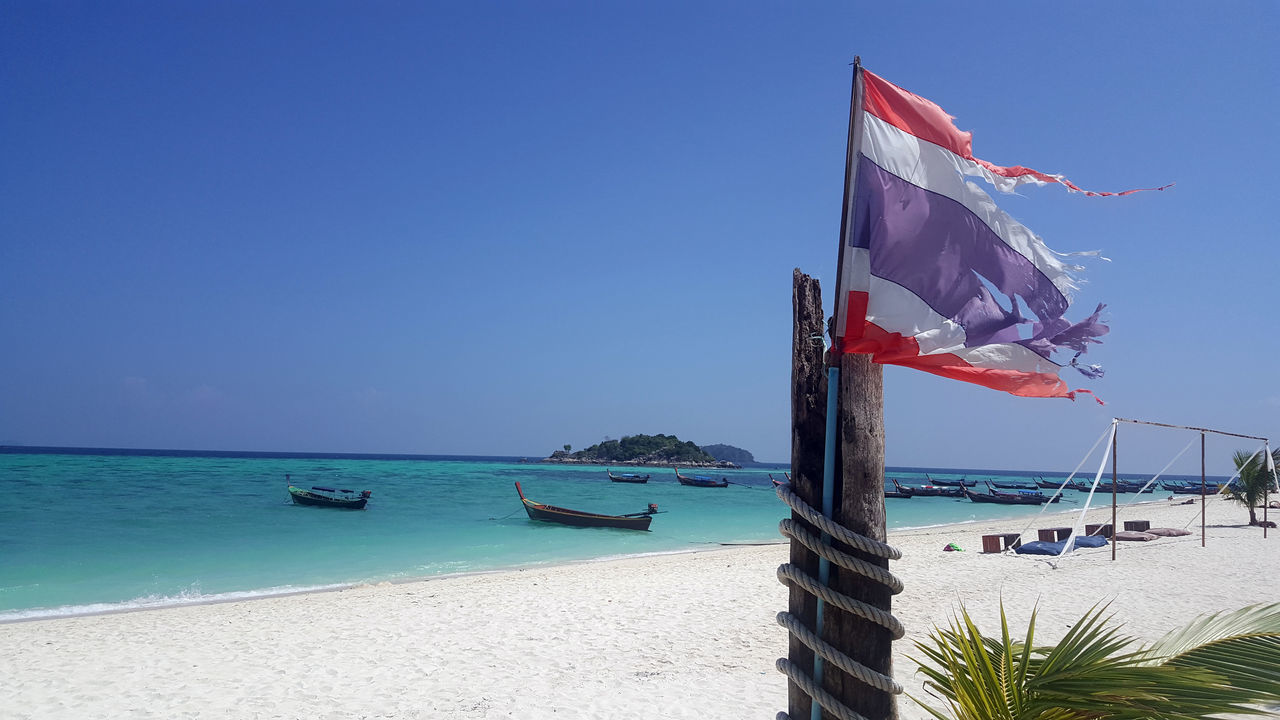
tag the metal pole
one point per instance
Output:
(1268, 463)
(1204, 498)
(1189, 427)
(1114, 435)
(828, 507)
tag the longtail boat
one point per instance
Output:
(700, 480)
(1124, 486)
(578, 518)
(1016, 485)
(329, 497)
(938, 491)
(899, 491)
(962, 482)
(1003, 498)
(1021, 497)
(627, 477)
(1190, 488)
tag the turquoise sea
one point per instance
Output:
(98, 530)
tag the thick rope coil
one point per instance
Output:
(832, 654)
(836, 531)
(792, 529)
(828, 701)
(791, 575)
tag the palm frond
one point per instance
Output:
(1242, 646)
(1225, 663)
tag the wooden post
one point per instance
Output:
(859, 506)
(808, 429)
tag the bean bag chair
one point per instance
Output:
(1040, 547)
(1168, 532)
(1135, 536)
(1044, 547)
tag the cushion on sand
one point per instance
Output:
(1044, 547)
(1135, 535)
(1040, 547)
(1168, 532)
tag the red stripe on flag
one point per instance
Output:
(889, 348)
(913, 114)
(928, 121)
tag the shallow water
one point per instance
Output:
(90, 532)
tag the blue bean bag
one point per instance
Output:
(1044, 547)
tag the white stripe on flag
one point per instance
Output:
(941, 171)
(895, 309)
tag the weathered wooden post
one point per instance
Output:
(808, 420)
(859, 506)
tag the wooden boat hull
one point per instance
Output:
(694, 482)
(935, 491)
(578, 518)
(1190, 489)
(1004, 499)
(627, 478)
(301, 496)
(1121, 488)
(900, 491)
(699, 482)
(1013, 486)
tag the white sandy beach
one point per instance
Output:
(675, 636)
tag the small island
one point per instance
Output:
(658, 450)
(729, 453)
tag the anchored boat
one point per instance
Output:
(700, 480)
(578, 518)
(329, 497)
(627, 477)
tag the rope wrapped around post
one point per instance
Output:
(793, 576)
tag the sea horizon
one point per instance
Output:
(18, 448)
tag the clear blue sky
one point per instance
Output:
(495, 228)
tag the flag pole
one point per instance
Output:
(833, 377)
(855, 466)
(850, 176)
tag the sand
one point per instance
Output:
(672, 636)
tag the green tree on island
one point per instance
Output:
(645, 448)
(1251, 488)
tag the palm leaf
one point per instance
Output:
(1225, 663)
(1243, 647)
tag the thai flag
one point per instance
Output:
(926, 252)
